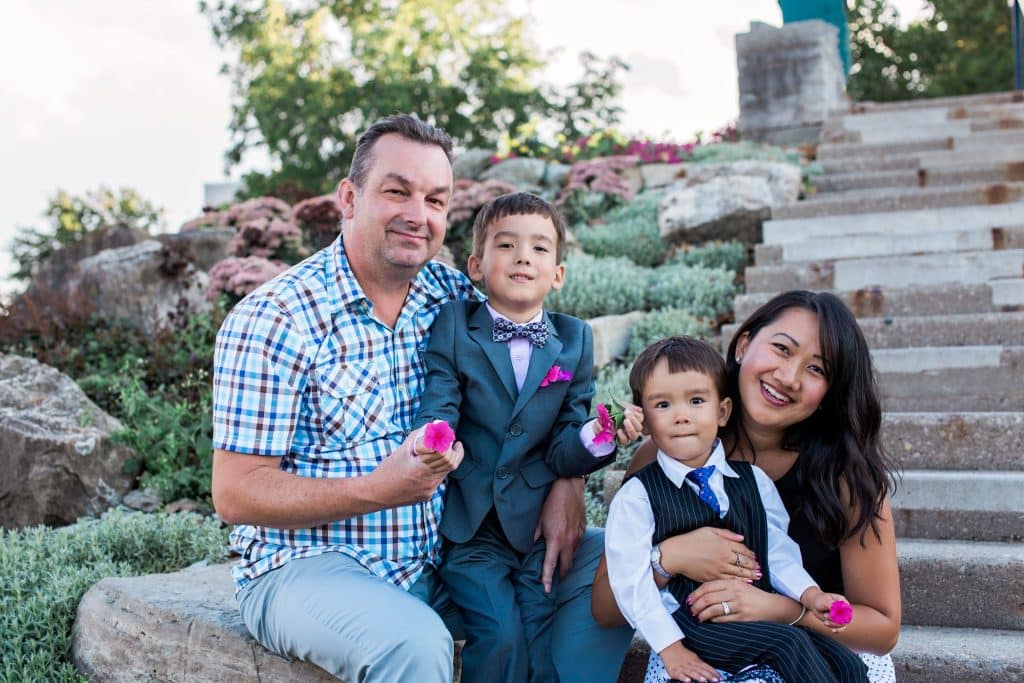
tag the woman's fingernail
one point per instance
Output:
(758, 575)
(689, 600)
(749, 580)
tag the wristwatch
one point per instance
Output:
(656, 563)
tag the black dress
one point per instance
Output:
(821, 562)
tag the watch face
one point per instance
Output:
(656, 554)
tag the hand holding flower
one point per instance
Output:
(623, 422)
(434, 444)
(832, 609)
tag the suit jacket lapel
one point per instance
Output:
(541, 360)
(480, 326)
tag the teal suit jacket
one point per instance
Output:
(516, 442)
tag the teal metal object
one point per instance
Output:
(832, 11)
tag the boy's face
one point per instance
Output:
(518, 265)
(682, 412)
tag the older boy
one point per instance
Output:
(516, 382)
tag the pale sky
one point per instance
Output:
(128, 92)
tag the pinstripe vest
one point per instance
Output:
(677, 510)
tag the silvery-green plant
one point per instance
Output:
(702, 292)
(662, 323)
(599, 286)
(728, 255)
(630, 231)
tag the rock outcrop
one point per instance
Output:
(56, 452)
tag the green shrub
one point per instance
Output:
(44, 573)
(702, 292)
(599, 286)
(665, 323)
(630, 231)
(728, 255)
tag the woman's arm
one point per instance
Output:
(871, 580)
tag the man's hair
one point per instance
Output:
(682, 354)
(405, 125)
(517, 204)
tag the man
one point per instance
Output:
(317, 378)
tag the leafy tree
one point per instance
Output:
(72, 216)
(311, 74)
(960, 47)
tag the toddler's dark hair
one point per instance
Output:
(682, 354)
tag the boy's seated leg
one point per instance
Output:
(538, 613)
(331, 611)
(477, 576)
(846, 664)
(581, 650)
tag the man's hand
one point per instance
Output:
(684, 665)
(563, 520)
(402, 478)
(436, 461)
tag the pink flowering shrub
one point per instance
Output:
(319, 218)
(595, 186)
(237, 276)
(264, 227)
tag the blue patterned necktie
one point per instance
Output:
(700, 477)
(536, 333)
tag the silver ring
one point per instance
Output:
(739, 559)
(725, 608)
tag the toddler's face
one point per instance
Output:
(682, 412)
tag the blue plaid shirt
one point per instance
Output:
(302, 371)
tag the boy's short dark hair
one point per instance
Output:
(404, 125)
(517, 204)
(682, 354)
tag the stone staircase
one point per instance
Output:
(918, 225)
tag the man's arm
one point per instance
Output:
(252, 489)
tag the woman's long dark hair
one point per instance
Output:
(839, 443)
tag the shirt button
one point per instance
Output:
(516, 429)
(503, 473)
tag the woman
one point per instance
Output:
(806, 412)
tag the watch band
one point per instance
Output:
(656, 563)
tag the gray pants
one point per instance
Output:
(331, 611)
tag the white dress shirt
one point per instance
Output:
(627, 543)
(520, 349)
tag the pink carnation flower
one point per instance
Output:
(438, 436)
(555, 374)
(840, 612)
(604, 419)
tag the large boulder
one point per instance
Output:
(183, 626)
(471, 163)
(784, 179)
(54, 271)
(148, 284)
(526, 174)
(612, 334)
(724, 208)
(203, 247)
(56, 451)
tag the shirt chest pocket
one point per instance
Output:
(352, 403)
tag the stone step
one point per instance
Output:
(924, 654)
(969, 506)
(907, 118)
(943, 299)
(915, 222)
(884, 200)
(891, 244)
(880, 133)
(924, 176)
(961, 584)
(935, 160)
(834, 151)
(951, 102)
(951, 378)
(965, 329)
(890, 272)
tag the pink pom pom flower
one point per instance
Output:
(556, 374)
(438, 436)
(840, 612)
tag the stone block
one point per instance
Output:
(660, 175)
(612, 334)
(790, 78)
(961, 505)
(885, 199)
(784, 180)
(723, 208)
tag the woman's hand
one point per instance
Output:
(709, 553)
(745, 603)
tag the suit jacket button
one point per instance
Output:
(516, 429)
(503, 473)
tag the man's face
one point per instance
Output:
(396, 221)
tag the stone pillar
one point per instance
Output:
(790, 79)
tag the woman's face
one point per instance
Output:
(782, 372)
